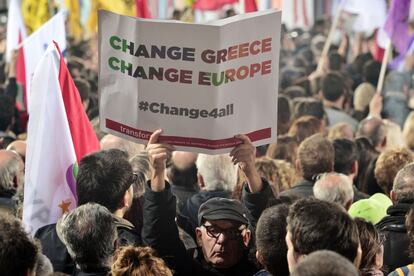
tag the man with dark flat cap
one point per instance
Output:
(223, 233)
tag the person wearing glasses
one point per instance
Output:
(224, 225)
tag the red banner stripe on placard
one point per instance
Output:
(188, 141)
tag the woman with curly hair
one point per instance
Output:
(138, 261)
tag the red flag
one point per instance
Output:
(211, 5)
(142, 9)
(250, 6)
(83, 136)
(20, 71)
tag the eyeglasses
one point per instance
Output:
(232, 233)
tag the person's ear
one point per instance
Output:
(15, 182)
(128, 196)
(384, 142)
(348, 204)
(320, 94)
(297, 166)
(354, 169)
(200, 181)
(259, 257)
(393, 197)
(198, 236)
(246, 237)
(357, 260)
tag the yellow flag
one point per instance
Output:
(35, 13)
(124, 7)
(189, 3)
(74, 18)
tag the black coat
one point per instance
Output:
(396, 252)
(302, 189)
(161, 233)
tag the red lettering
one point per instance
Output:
(232, 54)
(242, 72)
(221, 55)
(230, 73)
(253, 49)
(266, 45)
(266, 67)
(244, 50)
(204, 78)
(185, 76)
(254, 68)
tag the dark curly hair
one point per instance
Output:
(315, 225)
(17, 251)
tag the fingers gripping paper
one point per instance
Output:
(202, 84)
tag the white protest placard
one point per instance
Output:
(201, 84)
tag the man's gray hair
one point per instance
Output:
(334, 187)
(89, 233)
(110, 141)
(8, 170)
(218, 172)
(374, 129)
(43, 265)
(403, 185)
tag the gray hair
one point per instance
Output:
(141, 167)
(43, 265)
(403, 185)
(110, 141)
(334, 187)
(89, 233)
(374, 129)
(218, 172)
(8, 170)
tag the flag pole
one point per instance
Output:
(242, 6)
(328, 41)
(384, 64)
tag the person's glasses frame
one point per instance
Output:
(214, 231)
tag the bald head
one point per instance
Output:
(184, 160)
(110, 141)
(375, 130)
(11, 170)
(334, 187)
(18, 146)
(403, 186)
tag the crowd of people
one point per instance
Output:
(334, 195)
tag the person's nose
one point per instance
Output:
(222, 238)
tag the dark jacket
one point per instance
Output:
(358, 195)
(6, 201)
(396, 252)
(58, 255)
(161, 233)
(103, 272)
(302, 189)
(182, 193)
